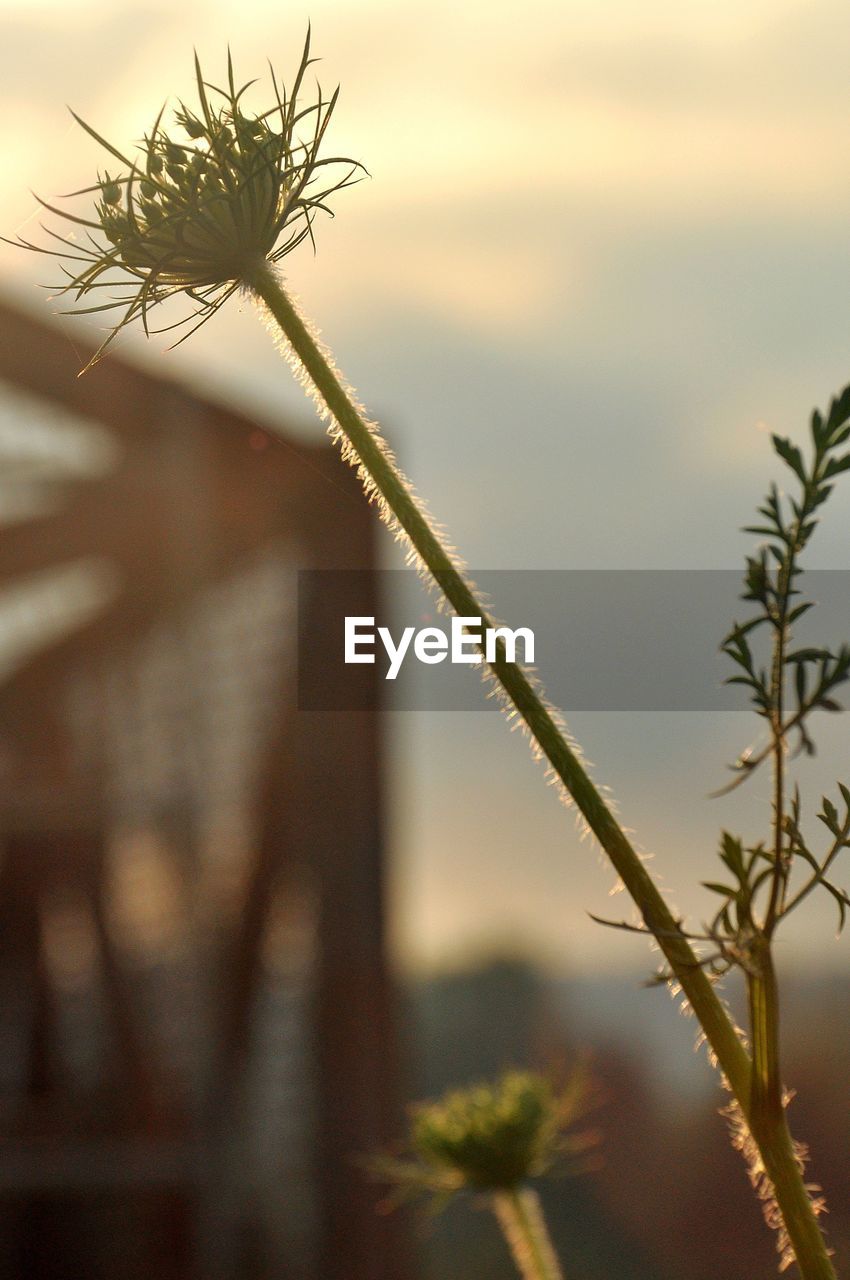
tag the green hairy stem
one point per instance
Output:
(524, 1228)
(772, 1137)
(767, 1120)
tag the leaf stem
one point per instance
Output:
(521, 1218)
(364, 448)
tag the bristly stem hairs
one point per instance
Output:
(211, 207)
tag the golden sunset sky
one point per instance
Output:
(604, 249)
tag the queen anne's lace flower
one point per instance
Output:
(492, 1136)
(202, 210)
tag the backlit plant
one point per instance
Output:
(493, 1140)
(202, 208)
(210, 206)
(765, 881)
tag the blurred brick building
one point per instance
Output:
(195, 1030)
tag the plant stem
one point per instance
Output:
(524, 1228)
(782, 636)
(391, 485)
(763, 994)
(767, 1117)
(364, 448)
(780, 873)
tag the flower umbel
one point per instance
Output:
(202, 208)
(491, 1137)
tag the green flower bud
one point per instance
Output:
(116, 225)
(490, 1136)
(206, 220)
(111, 191)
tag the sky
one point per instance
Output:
(603, 252)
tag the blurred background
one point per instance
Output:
(602, 254)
